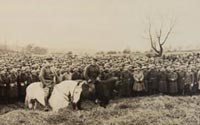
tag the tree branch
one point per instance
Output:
(151, 39)
(168, 33)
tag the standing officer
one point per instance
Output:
(92, 71)
(152, 78)
(172, 82)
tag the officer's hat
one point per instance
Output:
(49, 58)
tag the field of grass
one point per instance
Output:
(153, 110)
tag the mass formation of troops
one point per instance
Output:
(137, 75)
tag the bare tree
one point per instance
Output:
(159, 37)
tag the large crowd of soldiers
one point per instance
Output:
(138, 75)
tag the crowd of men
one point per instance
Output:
(138, 75)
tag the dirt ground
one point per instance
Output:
(152, 110)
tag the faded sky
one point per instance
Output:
(95, 24)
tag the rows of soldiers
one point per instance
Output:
(138, 75)
(172, 75)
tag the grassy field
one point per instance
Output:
(152, 110)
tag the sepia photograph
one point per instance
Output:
(99, 62)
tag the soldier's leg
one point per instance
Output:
(191, 90)
(1, 95)
(146, 87)
(50, 92)
(47, 90)
(149, 88)
(187, 89)
(183, 91)
(35, 105)
(198, 90)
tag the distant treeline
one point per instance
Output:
(35, 49)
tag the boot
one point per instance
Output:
(46, 108)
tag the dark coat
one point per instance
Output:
(76, 75)
(195, 86)
(126, 84)
(181, 80)
(5, 80)
(162, 82)
(2, 89)
(35, 78)
(29, 78)
(21, 78)
(12, 89)
(172, 82)
(22, 84)
(104, 75)
(117, 74)
(146, 80)
(104, 90)
(152, 78)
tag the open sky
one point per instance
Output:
(96, 24)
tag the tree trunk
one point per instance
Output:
(161, 51)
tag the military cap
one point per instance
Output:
(49, 58)
(95, 59)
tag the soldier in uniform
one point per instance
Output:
(28, 75)
(34, 75)
(181, 81)
(92, 71)
(163, 81)
(195, 85)
(21, 84)
(189, 81)
(172, 82)
(47, 77)
(198, 80)
(126, 83)
(146, 70)
(2, 88)
(152, 78)
(91, 74)
(5, 80)
(13, 89)
(76, 75)
(106, 73)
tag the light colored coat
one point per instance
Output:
(138, 81)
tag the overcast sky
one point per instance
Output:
(95, 24)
